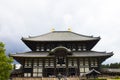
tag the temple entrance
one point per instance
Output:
(48, 72)
(61, 71)
(72, 71)
(52, 72)
(60, 66)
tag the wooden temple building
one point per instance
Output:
(59, 52)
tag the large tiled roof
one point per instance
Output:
(75, 54)
(61, 36)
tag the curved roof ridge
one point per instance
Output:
(37, 35)
(63, 31)
(84, 35)
(61, 36)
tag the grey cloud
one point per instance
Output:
(90, 17)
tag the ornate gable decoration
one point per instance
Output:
(60, 51)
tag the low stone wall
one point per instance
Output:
(45, 78)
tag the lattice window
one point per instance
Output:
(47, 62)
(70, 62)
(86, 69)
(86, 62)
(27, 74)
(79, 48)
(37, 48)
(82, 69)
(40, 62)
(37, 71)
(34, 74)
(35, 62)
(28, 63)
(74, 62)
(84, 48)
(42, 48)
(81, 62)
(51, 62)
(73, 47)
(96, 63)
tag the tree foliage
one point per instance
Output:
(112, 65)
(5, 64)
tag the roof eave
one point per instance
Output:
(24, 39)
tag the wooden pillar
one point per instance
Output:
(43, 63)
(99, 63)
(23, 67)
(55, 73)
(89, 63)
(32, 62)
(78, 66)
(66, 66)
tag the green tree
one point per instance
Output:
(114, 65)
(5, 64)
(105, 66)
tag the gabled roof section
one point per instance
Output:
(61, 36)
(61, 49)
(93, 71)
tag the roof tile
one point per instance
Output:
(61, 36)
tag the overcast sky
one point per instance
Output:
(35, 17)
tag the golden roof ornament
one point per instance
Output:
(69, 29)
(53, 29)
